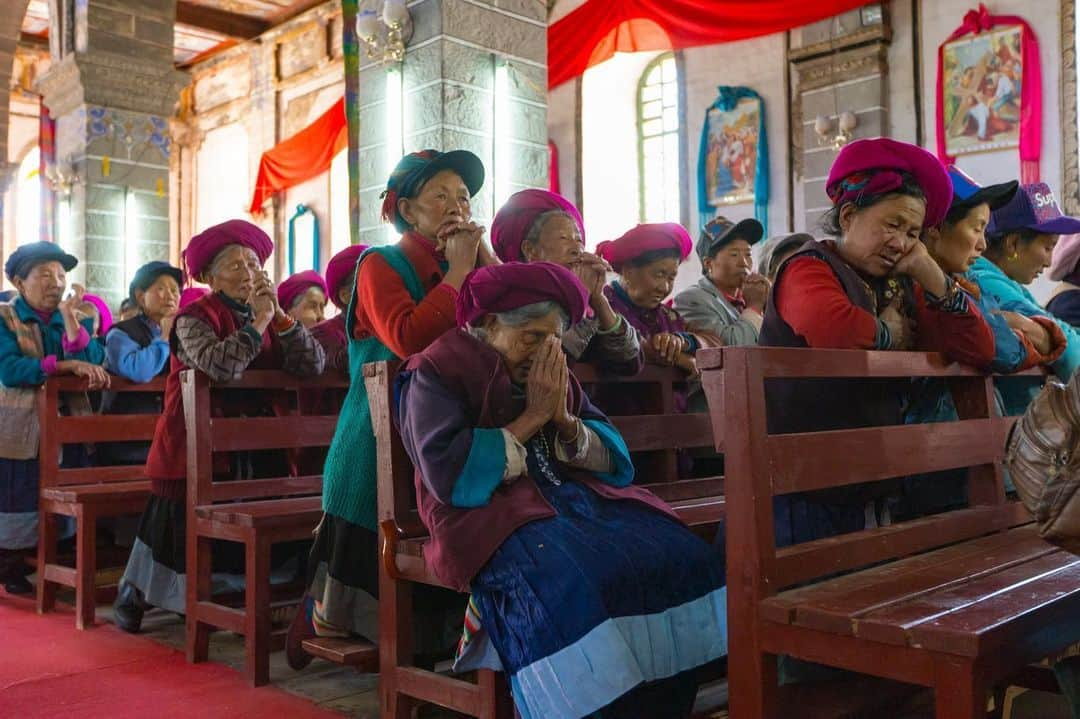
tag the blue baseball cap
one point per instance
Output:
(968, 193)
(1033, 207)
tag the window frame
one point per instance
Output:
(680, 115)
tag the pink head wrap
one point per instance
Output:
(514, 220)
(291, 289)
(192, 294)
(875, 166)
(646, 238)
(500, 288)
(1066, 255)
(104, 314)
(204, 247)
(339, 270)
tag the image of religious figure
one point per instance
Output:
(731, 158)
(981, 81)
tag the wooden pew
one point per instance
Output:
(403, 685)
(657, 436)
(957, 601)
(84, 493)
(257, 512)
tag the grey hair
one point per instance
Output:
(533, 235)
(527, 313)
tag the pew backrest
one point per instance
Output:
(59, 429)
(209, 434)
(659, 433)
(761, 465)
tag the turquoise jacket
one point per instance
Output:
(18, 370)
(1011, 296)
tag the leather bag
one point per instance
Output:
(1042, 459)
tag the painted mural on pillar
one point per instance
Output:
(132, 133)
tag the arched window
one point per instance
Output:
(658, 141)
(28, 198)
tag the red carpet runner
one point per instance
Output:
(49, 669)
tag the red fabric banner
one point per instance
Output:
(600, 28)
(980, 20)
(303, 156)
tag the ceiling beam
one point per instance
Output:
(299, 7)
(220, 21)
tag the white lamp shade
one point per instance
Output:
(848, 121)
(822, 125)
(395, 12)
(367, 25)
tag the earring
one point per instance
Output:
(1014, 256)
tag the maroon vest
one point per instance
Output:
(814, 405)
(462, 540)
(166, 465)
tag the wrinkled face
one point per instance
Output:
(730, 265)
(233, 272)
(309, 309)
(1031, 257)
(956, 247)
(559, 242)
(518, 345)
(44, 286)
(875, 238)
(443, 199)
(649, 285)
(159, 299)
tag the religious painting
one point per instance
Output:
(731, 154)
(981, 80)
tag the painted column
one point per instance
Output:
(112, 89)
(475, 78)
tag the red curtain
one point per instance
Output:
(303, 156)
(600, 28)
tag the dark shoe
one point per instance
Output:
(302, 628)
(18, 585)
(128, 609)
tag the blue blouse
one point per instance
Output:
(126, 358)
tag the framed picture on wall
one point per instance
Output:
(731, 155)
(981, 80)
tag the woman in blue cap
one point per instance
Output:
(404, 300)
(1019, 342)
(40, 335)
(1021, 238)
(138, 349)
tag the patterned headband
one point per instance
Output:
(864, 183)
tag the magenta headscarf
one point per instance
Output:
(514, 220)
(291, 289)
(104, 314)
(192, 294)
(340, 269)
(875, 166)
(204, 246)
(646, 238)
(500, 288)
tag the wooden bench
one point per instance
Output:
(957, 601)
(403, 537)
(658, 435)
(84, 493)
(257, 513)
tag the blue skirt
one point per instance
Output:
(602, 598)
(18, 503)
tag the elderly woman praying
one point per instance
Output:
(541, 226)
(527, 491)
(237, 326)
(41, 335)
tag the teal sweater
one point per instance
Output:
(1011, 296)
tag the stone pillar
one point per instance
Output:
(112, 89)
(449, 98)
(839, 65)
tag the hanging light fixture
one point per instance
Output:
(386, 34)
